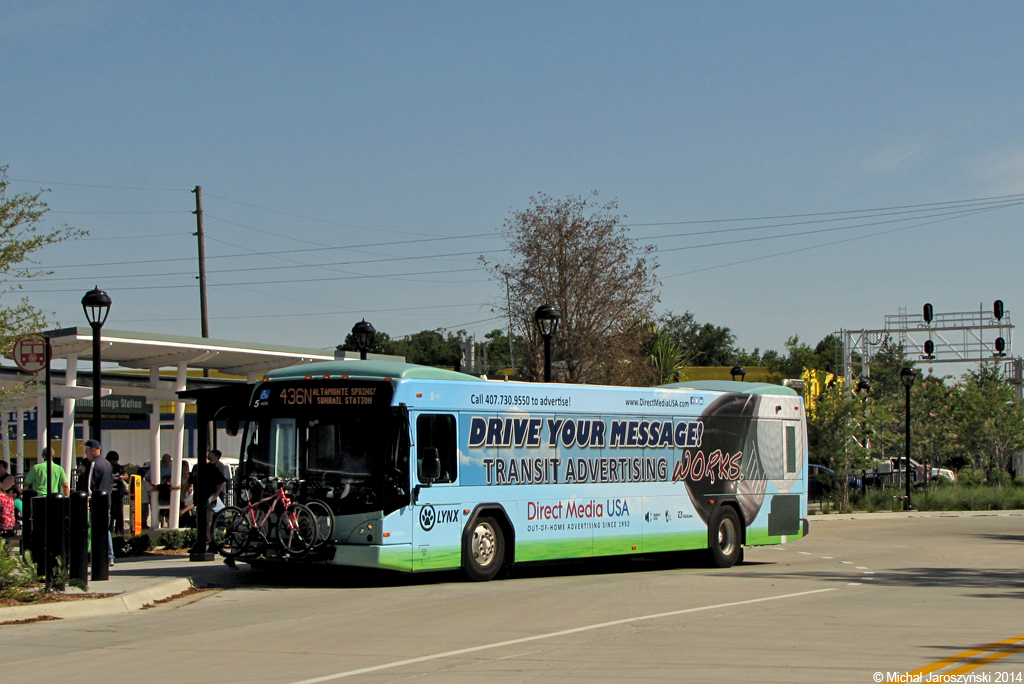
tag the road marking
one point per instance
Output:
(853, 584)
(862, 567)
(868, 572)
(549, 635)
(804, 553)
(997, 651)
(828, 557)
(846, 562)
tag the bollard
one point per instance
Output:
(78, 537)
(26, 519)
(38, 515)
(56, 537)
(100, 516)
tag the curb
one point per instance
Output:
(879, 515)
(111, 605)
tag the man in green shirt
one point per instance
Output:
(36, 477)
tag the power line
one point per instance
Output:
(296, 264)
(178, 211)
(825, 213)
(107, 187)
(826, 244)
(312, 218)
(317, 313)
(997, 205)
(283, 282)
(952, 214)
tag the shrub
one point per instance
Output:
(16, 573)
(139, 544)
(178, 539)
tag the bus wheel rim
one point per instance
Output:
(727, 536)
(484, 545)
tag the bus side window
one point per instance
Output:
(437, 431)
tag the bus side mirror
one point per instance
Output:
(233, 426)
(430, 470)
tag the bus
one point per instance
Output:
(429, 469)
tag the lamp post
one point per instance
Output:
(546, 317)
(738, 371)
(908, 375)
(363, 333)
(96, 304)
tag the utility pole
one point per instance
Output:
(511, 350)
(205, 321)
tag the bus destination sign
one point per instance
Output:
(323, 394)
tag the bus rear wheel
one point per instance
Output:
(724, 537)
(484, 550)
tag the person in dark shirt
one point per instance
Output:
(208, 482)
(117, 496)
(101, 479)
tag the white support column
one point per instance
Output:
(68, 434)
(154, 458)
(19, 438)
(42, 439)
(179, 443)
(250, 378)
(7, 439)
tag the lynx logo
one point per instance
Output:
(429, 517)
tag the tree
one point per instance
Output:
(382, 344)
(704, 345)
(427, 347)
(667, 357)
(22, 235)
(575, 255)
(497, 351)
(991, 420)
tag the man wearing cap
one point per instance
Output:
(101, 479)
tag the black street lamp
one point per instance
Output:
(96, 304)
(546, 318)
(363, 334)
(908, 375)
(738, 372)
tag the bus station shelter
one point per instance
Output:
(167, 358)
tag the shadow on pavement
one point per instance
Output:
(1000, 583)
(326, 576)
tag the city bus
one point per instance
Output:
(429, 469)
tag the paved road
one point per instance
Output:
(884, 594)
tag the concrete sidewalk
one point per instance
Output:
(135, 582)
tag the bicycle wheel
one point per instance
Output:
(324, 521)
(225, 532)
(297, 529)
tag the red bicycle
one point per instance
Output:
(273, 521)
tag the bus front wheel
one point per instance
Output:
(724, 537)
(484, 550)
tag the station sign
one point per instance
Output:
(112, 407)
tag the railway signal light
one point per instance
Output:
(997, 309)
(1000, 346)
(929, 313)
(929, 349)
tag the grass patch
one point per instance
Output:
(945, 497)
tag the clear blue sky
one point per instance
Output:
(393, 121)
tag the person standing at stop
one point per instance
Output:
(101, 479)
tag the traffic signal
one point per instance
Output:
(997, 309)
(929, 313)
(929, 348)
(1000, 346)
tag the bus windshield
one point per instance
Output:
(340, 452)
